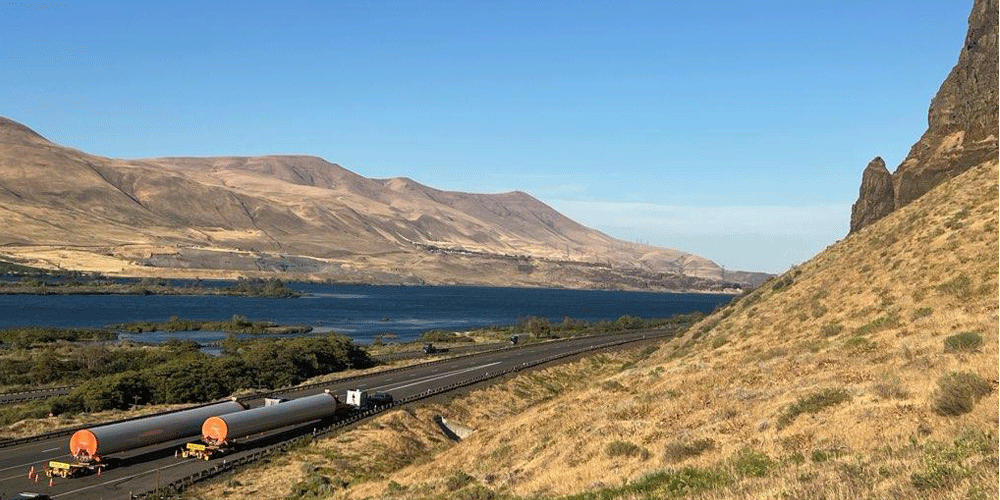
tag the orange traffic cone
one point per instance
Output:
(37, 479)
(50, 482)
(99, 469)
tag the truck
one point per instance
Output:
(361, 399)
(222, 433)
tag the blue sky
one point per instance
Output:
(735, 130)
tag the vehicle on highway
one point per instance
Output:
(91, 447)
(222, 433)
(361, 399)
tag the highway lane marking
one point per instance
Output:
(34, 462)
(51, 449)
(123, 479)
(433, 378)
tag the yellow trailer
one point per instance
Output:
(199, 450)
(64, 469)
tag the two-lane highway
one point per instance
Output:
(143, 470)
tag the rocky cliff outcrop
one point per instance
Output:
(875, 199)
(961, 124)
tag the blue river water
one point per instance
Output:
(359, 311)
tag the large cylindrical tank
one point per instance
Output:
(96, 442)
(223, 429)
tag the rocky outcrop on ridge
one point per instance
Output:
(962, 124)
(875, 199)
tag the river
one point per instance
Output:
(359, 311)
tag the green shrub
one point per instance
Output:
(830, 329)
(965, 341)
(625, 449)
(783, 283)
(859, 344)
(678, 451)
(257, 287)
(458, 480)
(958, 393)
(665, 483)
(316, 485)
(813, 403)
(959, 286)
(818, 309)
(936, 475)
(719, 341)
(947, 464)
(749, 462)
(879, 324)
(613, 386)
(476, 492)
(820, 456)
(25, 337)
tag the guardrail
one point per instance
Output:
(478, 348)
(175, 487)
(22, 396)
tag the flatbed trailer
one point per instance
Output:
(202, 450)
(71, 469)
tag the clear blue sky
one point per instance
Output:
(735, 130)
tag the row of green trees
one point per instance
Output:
(180, 373)
(23, 337)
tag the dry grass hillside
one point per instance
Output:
(869, 371)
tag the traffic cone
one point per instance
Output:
(99, 469)
(50, 482)
(37, 480)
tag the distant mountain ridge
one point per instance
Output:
(306, 218)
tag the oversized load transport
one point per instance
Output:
(223, 429)
(97, 442)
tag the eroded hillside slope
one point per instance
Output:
(869, 371)
(304, 218)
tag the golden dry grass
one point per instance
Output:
(854, 339)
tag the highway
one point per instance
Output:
(23, 396)
(20, 397)
(143, 470)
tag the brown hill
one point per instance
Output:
(961, 126)
(305, 218)
(869, 371)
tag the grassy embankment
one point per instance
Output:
(869, 371)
